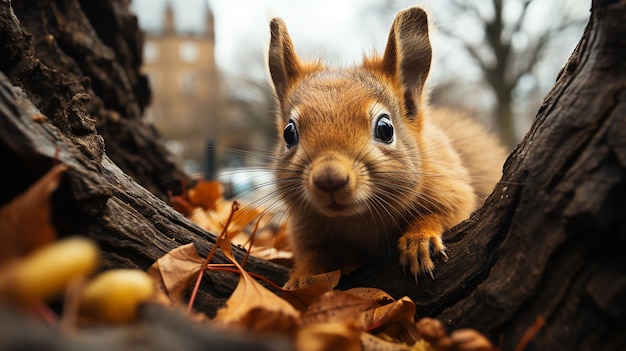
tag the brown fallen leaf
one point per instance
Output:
(371, 342)
(366, 309)
(204, 205)
(470, 340)
(176, 271)
(253, 306)
(401, 310)
(181, 204)
(435, 334)
(431, 329)
(337, 306)
(372, 294)
(282, 257)
(206, 194)
(272, 233)
(317, 285)
(25, 221)
(328, 336)
(203, 219)
(244, 217)
(330, 319)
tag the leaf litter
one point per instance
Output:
(316, 317)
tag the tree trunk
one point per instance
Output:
(548, 243)
(65, 48)
(504, 116)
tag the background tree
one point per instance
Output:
(508, 41)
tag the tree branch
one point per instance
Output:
(522, 16)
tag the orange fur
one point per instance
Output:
(356, 195)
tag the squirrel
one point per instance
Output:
(366, 166)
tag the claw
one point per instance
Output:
(417, 251)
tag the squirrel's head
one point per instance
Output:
(342, 129)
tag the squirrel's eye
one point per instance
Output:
(383, 131)
(290, 134)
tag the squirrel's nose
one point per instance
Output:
(330, 179)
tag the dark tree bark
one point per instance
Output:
(61, 49)
(549, 241)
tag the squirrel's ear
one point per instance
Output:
(408, 53)
(283, 61)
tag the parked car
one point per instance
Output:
(247, 184)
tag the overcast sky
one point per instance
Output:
(341, 31)
(330, 28)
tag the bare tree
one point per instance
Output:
(514, 39)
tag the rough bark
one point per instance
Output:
(96, 199)
(63, 94)
(548, 242)
(60, 49)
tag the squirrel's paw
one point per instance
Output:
(415, 252)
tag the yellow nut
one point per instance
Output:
(46, 272)
(114, 296)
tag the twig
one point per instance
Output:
(205, 264)
(530, 333)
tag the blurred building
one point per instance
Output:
(192, 101)
(185, 84)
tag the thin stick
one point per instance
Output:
(530, 333)
(205, 264)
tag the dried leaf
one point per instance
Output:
(272, 234)
(328, 336)
(317, 285)
(176, 271)
(470, 340)
(214, 219)
(270, 243)
(25, 221)
(282, 257)
(244, 217)
(431, 329)
(181, 204)
(206, 194)
(402, 310)
(372, 294)
(205, 206)
(205, 220)
(371, 342)
(336, 306)
(253, 306)
(423, 345)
